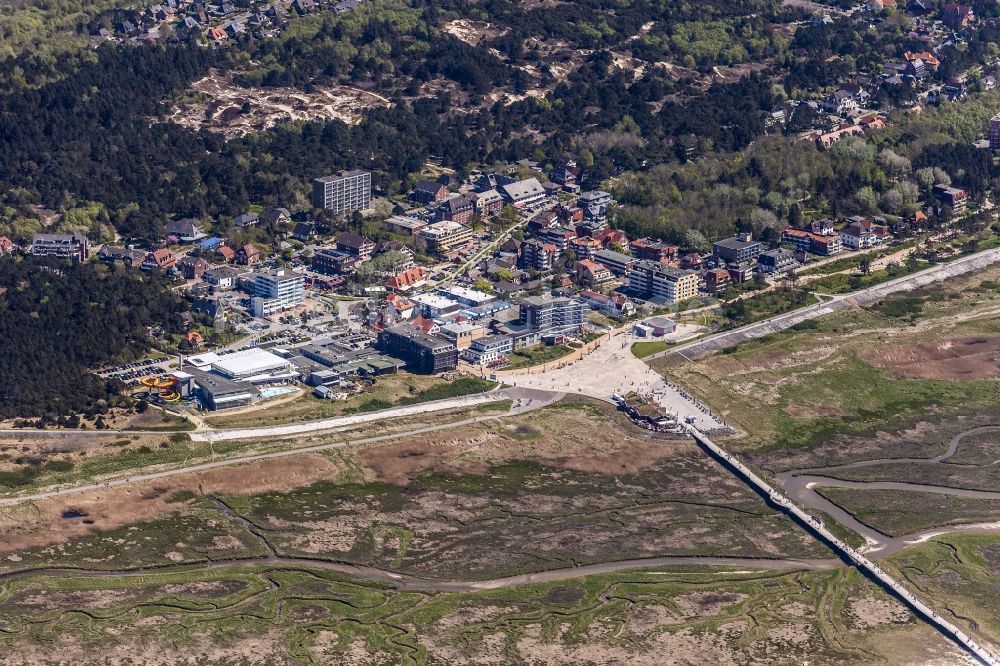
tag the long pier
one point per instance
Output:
(816, 525)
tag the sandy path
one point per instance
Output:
(406, 582)
(800, 486)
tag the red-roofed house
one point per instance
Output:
(613, 239)
(226, 253)
(401, 306)
(615, 305)
(538, 255)
(585, 248)
(162, 259)
(591, 272)
(807, 241)
(194, 338)
(249, 255)
(406, 280)
(717, 279)
(6, 245)
(928, 58)
(425, 325)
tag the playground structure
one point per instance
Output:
(162, 388)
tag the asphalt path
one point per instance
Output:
(524, 401)
(305, 427)
(836, 303)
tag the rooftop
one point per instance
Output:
(736, 243)
(248, 361)
(339, 176)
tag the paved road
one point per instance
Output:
(524, 401)
(290, 429)
(836, 303)
(816, 526)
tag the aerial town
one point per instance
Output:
(429, 331)
(470, 276)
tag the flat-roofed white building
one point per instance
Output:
(436, 306)
(488, 349)
(202, 361)
(253, 365)
(472, 298)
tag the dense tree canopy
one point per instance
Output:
(61, 320)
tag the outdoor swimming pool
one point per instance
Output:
(269, 393)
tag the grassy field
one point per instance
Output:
(958, 574)
(121, 454)
(156, 420)
(840, 283)
(569, 484)
(389, 391)
(572, 483)
(800, 389)
(900, 512)
(525, 358)
(644, 349)
(303, 615)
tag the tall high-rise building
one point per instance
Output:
(995, 132)
(344, 192)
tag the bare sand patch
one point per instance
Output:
(473, 32)
(955, 359)
(572, 441)
(217, 104)
(38, 524)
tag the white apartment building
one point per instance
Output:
(275, 291)
(442, 236)
(654, 281)
(344, 192)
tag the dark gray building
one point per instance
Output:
(777, 261)
(737, 249)
(68, 246)
(423, 353)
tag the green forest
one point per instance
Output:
(68, 319)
